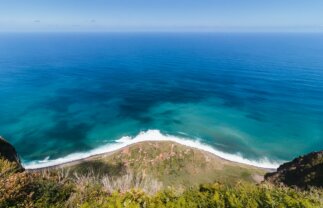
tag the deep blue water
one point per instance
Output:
(257, 94)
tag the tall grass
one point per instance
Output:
(131, 181)
(63, 188)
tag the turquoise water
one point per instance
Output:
(256, 95)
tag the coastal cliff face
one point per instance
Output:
(303, 172)
(8, 152)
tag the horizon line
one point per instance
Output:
(164, 31)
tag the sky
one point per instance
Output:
(160, 15)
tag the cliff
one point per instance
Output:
(8, 152)
(303, 172)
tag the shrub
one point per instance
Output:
(131, 181)
(62, 189)
(8, 168)
(32, 190)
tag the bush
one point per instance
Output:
(33, 190)
(217, 196)
(61, 189)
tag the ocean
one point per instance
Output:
(255, 98)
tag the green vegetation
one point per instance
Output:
(214, 195)
(170, 163)
(22, 189)
(61, 188)
(148, 175)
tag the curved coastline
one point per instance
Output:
(150, 135)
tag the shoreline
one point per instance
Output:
(98, 156)
(149, 135)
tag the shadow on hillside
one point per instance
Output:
(100, 168)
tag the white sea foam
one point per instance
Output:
(152, 135)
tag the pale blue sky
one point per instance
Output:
(161, 15)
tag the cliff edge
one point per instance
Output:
(8, 152)
(303, 172)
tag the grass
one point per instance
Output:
(148, 176)
(171, 163)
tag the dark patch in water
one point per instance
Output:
(64, 138)
(257, 99)
(176, 121)
(167, 112)
(59, 104)
(256, 116)
(63, 129)
(233, 102)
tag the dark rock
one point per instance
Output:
(303, 172)
(8, 152)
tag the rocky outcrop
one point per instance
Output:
(303, 172)
(8, 152)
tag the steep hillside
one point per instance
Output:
(7, 151)
(171, 163)
(148, 175)
(303, 172)
(10, 161)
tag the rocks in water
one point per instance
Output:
(8, 152)
(303, 172)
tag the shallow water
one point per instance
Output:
(256, 95)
